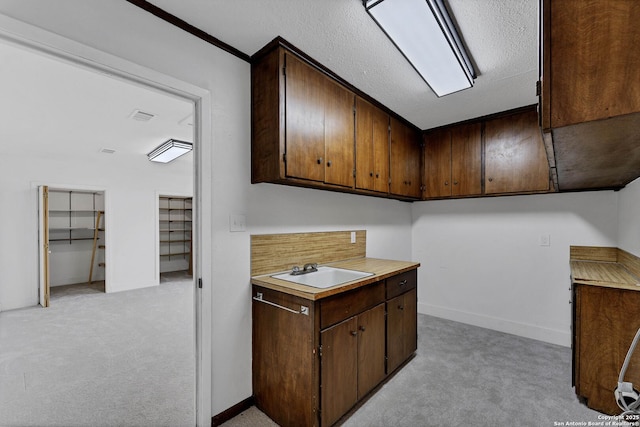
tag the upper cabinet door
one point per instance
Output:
(437, 163)
(406, 154)
(466, 159)
(515, 157)
(591, 68)
(305, 120)
(372, 147)
(339, 134)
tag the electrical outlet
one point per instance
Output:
(545, 239)
(353, 237)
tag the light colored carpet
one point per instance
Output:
(468, 376)
(95, 359)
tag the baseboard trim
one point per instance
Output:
(552, 336)
(235, 410)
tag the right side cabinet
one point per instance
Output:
(605, 320)
(590, 91)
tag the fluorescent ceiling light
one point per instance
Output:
(170, 150)
(424, 33)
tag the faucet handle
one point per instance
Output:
(295, 269)
(310, 267)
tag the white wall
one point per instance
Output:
(130, 187)
(629, 218)
(482, 262)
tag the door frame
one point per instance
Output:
(44, 280)
(38, 40)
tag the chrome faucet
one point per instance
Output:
(308, 268)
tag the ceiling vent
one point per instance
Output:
(141, 116)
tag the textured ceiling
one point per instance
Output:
(501, 36)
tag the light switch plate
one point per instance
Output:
(237, 222)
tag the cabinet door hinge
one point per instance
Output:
(284, 157)
(200, 282)
(284, 70)
(354, 173)
(320, 351)
(538, 88)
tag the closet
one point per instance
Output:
(175, 232)
(76, 236)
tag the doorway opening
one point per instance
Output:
(108, 169)
(175, 230)
(76, 241)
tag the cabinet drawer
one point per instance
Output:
(337, 308)
(401, 283)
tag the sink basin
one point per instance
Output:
(325, 277)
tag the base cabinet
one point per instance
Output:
(605, 321)
(314, 360)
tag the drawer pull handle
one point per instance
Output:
(362, 328)
(354, 333)
(403, 283)
(303, 310)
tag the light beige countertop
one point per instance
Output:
(608, 267)
(381, 269)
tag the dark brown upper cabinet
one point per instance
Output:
(312, 129)
(453, 161)
(515, 156)
(406, 159)
(590, 97)
(318, 126)
(372, 147)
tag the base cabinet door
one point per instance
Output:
(338, 370)
(606, 320)
(371, 347)
(402, 338)
(352, 362)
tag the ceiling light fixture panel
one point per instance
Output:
(424, 33)
(169, 151)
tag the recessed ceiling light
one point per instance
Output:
(141, 116)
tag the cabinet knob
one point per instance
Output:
(455, 182)
(490, 179)
(446, 183)
(371, 174)
(329, 163)
(404, 282)
(377, 175)
(320, 160)
(354, 333)
(401, 307)
(362, 328)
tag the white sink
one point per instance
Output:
(325, 277)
